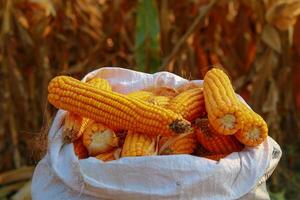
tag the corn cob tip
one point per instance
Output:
(255, 130)
(253, 136)
(221, 102)
(181, 126)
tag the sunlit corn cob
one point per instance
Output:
(99, 83)
(142, 95)
(214, 142)
(189, 104)
(255, 129)
(216, 157)
(221, 102)
(75, 124)
(150, 98)
(138, 144)
(181, 144)
(161, 101)
(113, 109)
(99, 139)
(110, 155)
(163, 91)
(80, 149)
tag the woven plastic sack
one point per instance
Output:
(60, 175)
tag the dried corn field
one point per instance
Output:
(257, 42)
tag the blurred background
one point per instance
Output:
(256, 41)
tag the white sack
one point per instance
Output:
(60, 175)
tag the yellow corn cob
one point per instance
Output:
(75, 124)
(214, 142)
(163, 91)
(150, 98)
(222, 104)
(99, 83)
(113, 109)
(138, 144)
(161, 101)
(99, 139)
(255, 129)
(182, 144)
(108, 156)
(189, 104)
(142, 95)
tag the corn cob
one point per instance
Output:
(161, 101)
(181, 144)
(111, 155)
(142, 95)
(113, 109)
(75, 124)
(255, 129)
(99, 83)
(99, 139)
(80, 149)
(189, 104)
(163, 91)
(150, 98)
(214, 142)
(137, 144)
(221, 102)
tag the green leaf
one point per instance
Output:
(147, 49)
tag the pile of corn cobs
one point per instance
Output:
(208, 121)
